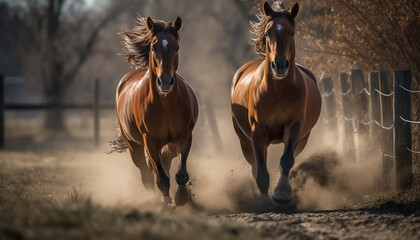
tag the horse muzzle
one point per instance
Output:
(280, 67)
(165, 84)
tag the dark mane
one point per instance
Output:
(258, 27)
(137, 40)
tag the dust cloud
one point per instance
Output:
(329, 176)
(324, 177)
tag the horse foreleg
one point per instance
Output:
(260, 144)
(283, 190)
(301, 145)
(169, 152)
(139, 159)
(246, 147)
(182, 177)
(154, 151)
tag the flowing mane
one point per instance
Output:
(137, 41)
(258, 27)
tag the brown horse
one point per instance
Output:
(156, 109)
(274, 100)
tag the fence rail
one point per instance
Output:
(95, 106)
(371, 110)
(46, 106)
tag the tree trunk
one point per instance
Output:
(54, 93)
(54, 119)
(59, 68)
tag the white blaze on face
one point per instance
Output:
(165, 43)
(279, 27)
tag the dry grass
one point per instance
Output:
(40, 199)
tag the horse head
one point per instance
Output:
(163, 53)
(279, 36)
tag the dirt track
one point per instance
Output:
(46, 195)
(339, 224)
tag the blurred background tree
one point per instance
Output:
(54, 39)
(62, 44)
(373, 35)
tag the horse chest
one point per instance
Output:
(164, 124)
(275, 111)
(275, 114)
(274, 122)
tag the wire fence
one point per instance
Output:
(377, 110)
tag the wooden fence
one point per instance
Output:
(94, 106)
(371, 111)
(206, 106)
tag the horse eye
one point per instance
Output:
(293, 33)
(177, 48)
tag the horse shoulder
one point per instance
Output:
(185, 88)
(306, 71)
(191, 101)
(246, 79)
(247, 69)
(313, 98)
(309, 79)
(124, 103)
(134, 75)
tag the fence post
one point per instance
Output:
(387, 131)
(375, 104)
(375, 107)
(360, 100)
(2, 111)
(95, 105)
(348, 141)
(329, 102)
(402, 110)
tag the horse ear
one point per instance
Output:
(177, 24)
(294, 10)
(267, 10)
(150, 24)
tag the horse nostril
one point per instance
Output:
(172, 81)
(160, 82)
(286, 64)
(273, 65)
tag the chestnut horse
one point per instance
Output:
(156, 108)
(274, 100)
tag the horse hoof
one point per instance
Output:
(283, 191)
(281, 200)
(182, 196)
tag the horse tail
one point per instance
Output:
(118, 144)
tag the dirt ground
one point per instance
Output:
(58, 186)
(92, 195)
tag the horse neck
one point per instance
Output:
(279, 85)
